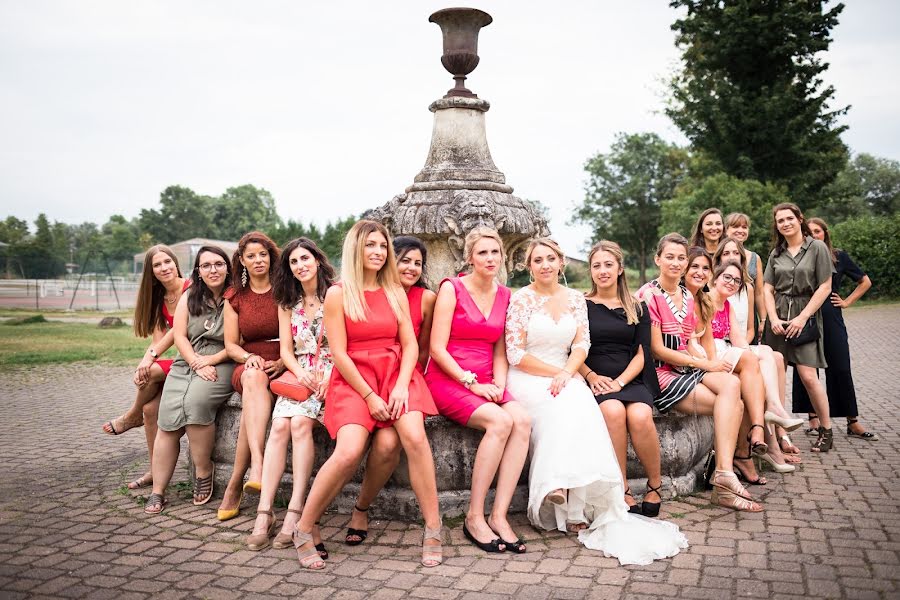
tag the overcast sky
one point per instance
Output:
(325, 104)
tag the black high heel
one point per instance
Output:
(824, 442)
(633, 508)
(757, 447)
(742, 476)
(709, 469)
(492, 546)
(651, 509)
(362, 534)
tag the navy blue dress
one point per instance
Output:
(838, 378)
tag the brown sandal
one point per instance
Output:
(156, 503)
(260, 541)
(142, 481)
(203, 487)
(285, 540)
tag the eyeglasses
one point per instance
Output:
(207, 267)
(731, 279)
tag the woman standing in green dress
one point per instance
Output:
(797, 283)
(198, 382)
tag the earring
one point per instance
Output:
(244, 278)
(530, 276)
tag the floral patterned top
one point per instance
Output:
(306, 335)
(525, 304)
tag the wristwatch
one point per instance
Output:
(468, 379)
(153, 353)
(621, 385)
(246, 356)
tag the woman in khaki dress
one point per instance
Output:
(198, 382)
(797, 283)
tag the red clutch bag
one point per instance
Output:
(287, 385)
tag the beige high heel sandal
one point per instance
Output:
(309, 558)
(260, 541)
(432, 556)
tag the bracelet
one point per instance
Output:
(369, 394)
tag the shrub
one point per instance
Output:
(874, 244)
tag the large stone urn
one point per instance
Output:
(460, 187)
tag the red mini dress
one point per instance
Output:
(471, 344)
(374, 347)
(414, 296)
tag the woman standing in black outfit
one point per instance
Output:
(620, 371)
(838, 378)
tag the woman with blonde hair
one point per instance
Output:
(619, 369)
(160, 289)
(467, 378)
(574, 481)
(374, 384)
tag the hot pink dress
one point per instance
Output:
(471, 344)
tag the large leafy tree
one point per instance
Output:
(242, 209)
(751, 93)
(183, 214)
(868, 185)
(625, 191)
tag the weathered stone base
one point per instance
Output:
(684, 441)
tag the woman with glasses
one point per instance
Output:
(199, 380)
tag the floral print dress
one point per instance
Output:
(305, 333)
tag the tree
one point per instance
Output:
(751, 93)
(120, 239)
(37, 254)
(183, 215)
(868, 185)
(13, 230)
(729, 194)
(625, 190)
(242, 209)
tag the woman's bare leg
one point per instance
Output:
(411, 429)
(384, 456)
(257, 410)
(720, 396)
(232, 496)
(134, 417)
(816, 392)
(273, 469)
(496, 424)
(616, 424)
(303, 457)
(165, 457)
(510, 470)
(645, 440)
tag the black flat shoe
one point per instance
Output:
(516, 547)
(492, 546)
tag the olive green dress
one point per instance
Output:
(796, 279)
(188, 399)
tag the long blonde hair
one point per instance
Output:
(352, 272)
(549, 243)
(629, 304)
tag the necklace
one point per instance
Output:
(170, 301)
(311, 303)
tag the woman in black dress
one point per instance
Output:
(838, 378)
(620, 371)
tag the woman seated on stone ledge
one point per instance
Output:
(302, 277)
(689, 384)
(374, 385)
(620, 372)
(251, 338)
(384, 453)
(199, 380)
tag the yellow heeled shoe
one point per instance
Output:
(224, 514)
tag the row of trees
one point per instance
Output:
(182, 214)
(750, 98)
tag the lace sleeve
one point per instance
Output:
(517, 316)
(579, 308)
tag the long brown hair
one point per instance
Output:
(821, 223)
(286, 289)
(352, 272)
(702, 302)
(779, 244)
(742, 264)
(148, 316)
(629, 304)
(238, 270)
(697, 238)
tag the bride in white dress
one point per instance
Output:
(574, 480)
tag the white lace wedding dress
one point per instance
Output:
(570, 445)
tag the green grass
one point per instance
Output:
(23, 344)
(61, 312)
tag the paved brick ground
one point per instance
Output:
(68, 529)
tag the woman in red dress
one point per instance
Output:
(374, 384)
(161, 286)
(384, 455)
(251, 339)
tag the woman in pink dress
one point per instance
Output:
(467, 379)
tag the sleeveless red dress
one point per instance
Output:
(414, 296)
(374, 347)
(166, 363)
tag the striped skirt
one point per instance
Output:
(675, 386)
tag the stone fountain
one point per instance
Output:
(460, 187)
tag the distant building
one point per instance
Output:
(186, 252)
